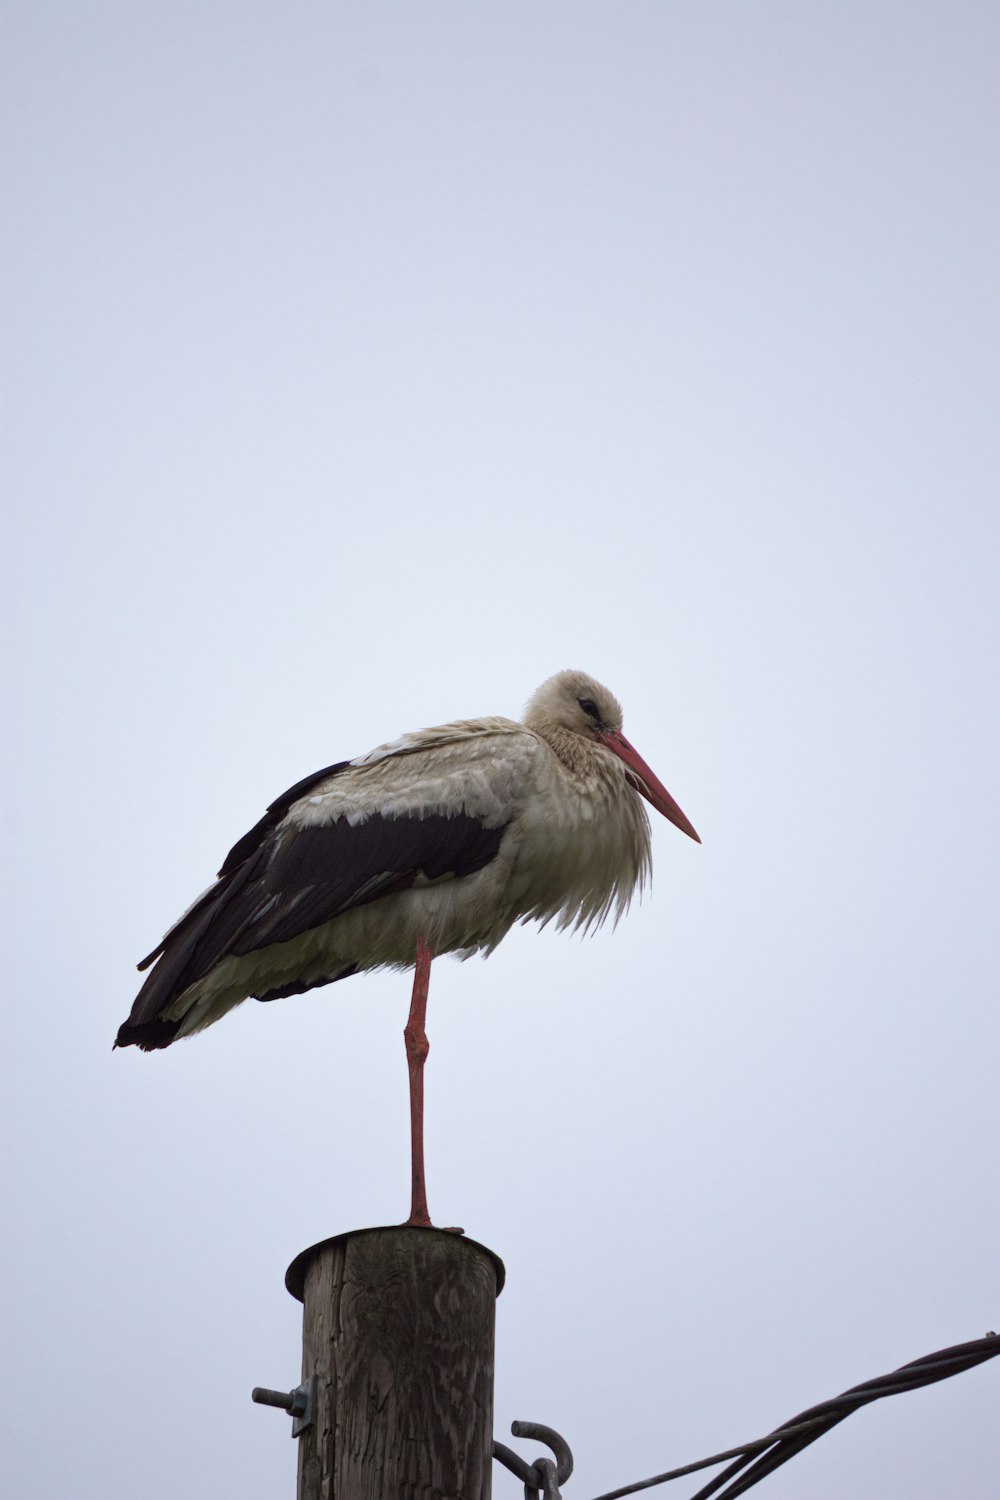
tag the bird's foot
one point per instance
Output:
(423, 1222)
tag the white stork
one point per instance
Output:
(436, 843)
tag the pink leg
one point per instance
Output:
(417, 1048)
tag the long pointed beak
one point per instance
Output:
(646, 783)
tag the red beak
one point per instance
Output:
(642, 778)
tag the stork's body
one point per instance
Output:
(439, 841)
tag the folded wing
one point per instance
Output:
(340, 839)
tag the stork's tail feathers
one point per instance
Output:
(149, 1036)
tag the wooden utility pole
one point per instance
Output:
(398, 1330)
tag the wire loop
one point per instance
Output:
(543, 1477)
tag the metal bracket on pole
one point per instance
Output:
(300, 1404)
(543, 1477)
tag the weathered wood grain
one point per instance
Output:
(398, 1326)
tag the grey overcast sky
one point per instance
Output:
(365, 364)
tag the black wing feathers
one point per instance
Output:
(238, 854)
(282, 991)
(317, 873)
(258, 833)
(278, 883)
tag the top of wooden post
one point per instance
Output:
(295, 1276)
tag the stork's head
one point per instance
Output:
(573, 702)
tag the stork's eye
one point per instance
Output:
(589, 707)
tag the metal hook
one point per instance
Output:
(543, 1477)
(551, 1439)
